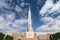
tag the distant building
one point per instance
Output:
(17, 36)
(44, 37)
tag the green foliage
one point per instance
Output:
(55, 36)
(58, 35)
(8, 37)
(1, 36)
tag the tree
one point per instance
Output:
(55, 36)
(8, 37)
(58, 35)
(1, 36)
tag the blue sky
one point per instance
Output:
(45, 16)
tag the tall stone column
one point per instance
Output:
(29, 35)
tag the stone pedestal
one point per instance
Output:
(27, 38)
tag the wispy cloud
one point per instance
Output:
(50, 25)
(2, 4)
(50, 8)
(18, 8)
(9, 26)
(8, 21)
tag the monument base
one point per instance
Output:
(25, 38)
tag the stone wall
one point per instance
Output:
(44, 37)
(17, 36)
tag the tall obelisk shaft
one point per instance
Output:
(29, 35)
(29, 21)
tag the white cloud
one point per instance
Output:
(48, 20)
(45, 8)
(50, 7)
(1, 19)
(9, 26)
(8, 23)
(46, 27)
(3, 4)
(18, 9)
(18, 24)
(3, 23)
(56, 7)
(22, 4)
(51, 25)
(10, 16)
